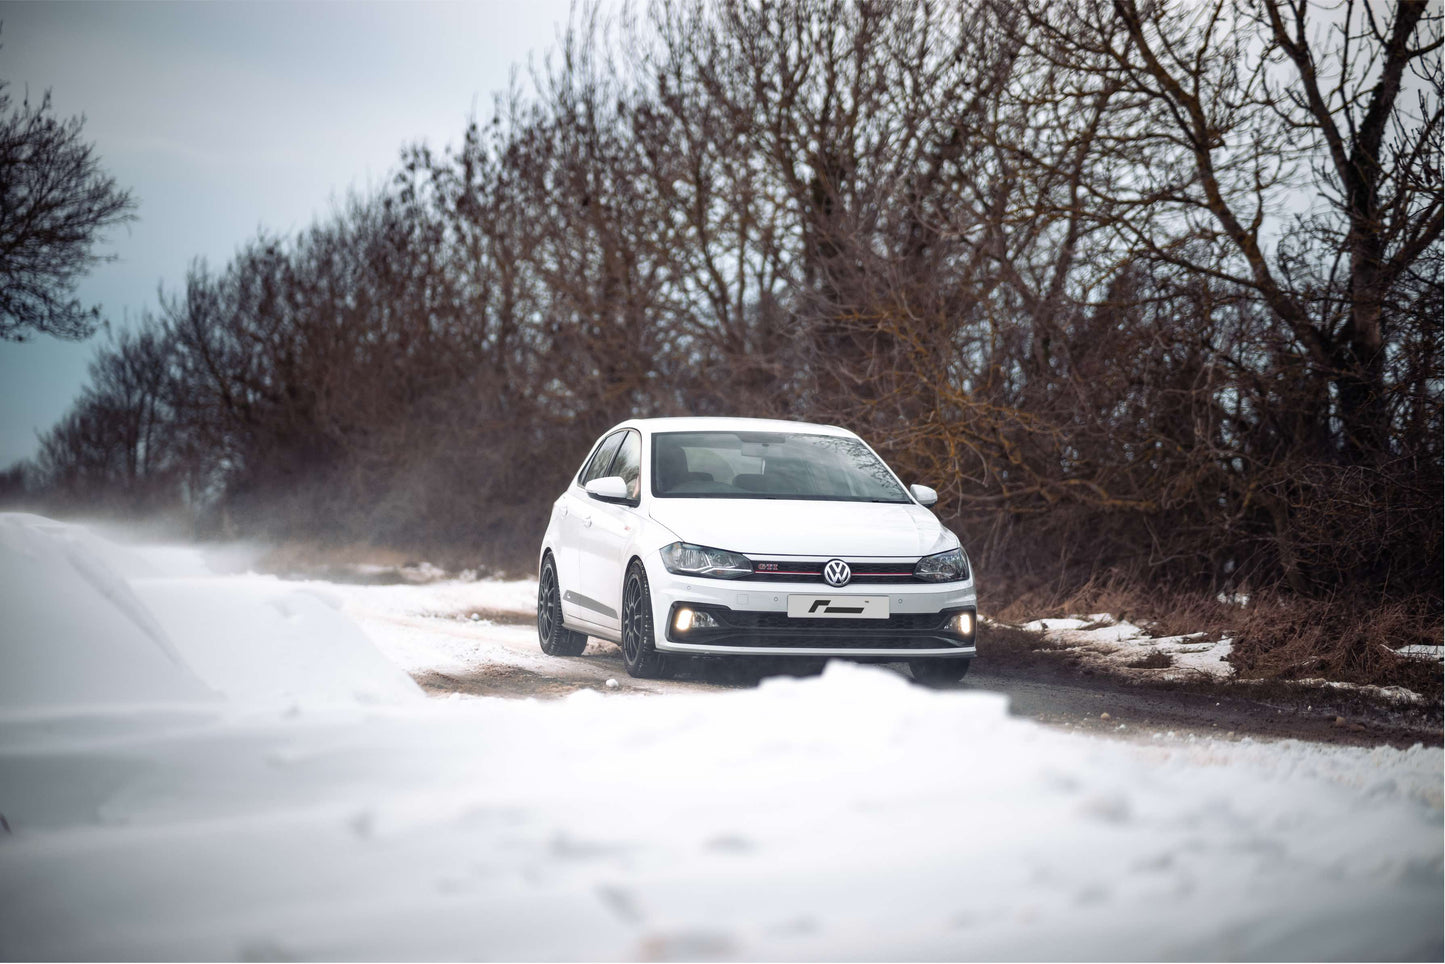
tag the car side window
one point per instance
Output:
(597, 468)
(628, 463)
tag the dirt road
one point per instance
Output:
(505, 661)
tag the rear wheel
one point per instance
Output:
(939, 670)
(556, 639)
(639, 654)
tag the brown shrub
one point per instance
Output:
(1163, 611)
(1347, 640)
(1154, 659)
(1276, 636)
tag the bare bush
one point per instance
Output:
(1338, 639)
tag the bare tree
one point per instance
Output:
(1234, 114)
(1095, 270)
(55, 200)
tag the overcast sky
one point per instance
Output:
(224, 118)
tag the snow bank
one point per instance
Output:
(852, 816)
(260, 639)
(90, 623)
(74, 633)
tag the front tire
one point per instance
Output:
(639, 652)
(934, 671)
(556, 639)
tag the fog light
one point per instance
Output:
(963, 624)
(685, 620)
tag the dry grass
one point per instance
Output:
(1162, 611)
(1275, 637)
(1154, 659)
(1344, 640)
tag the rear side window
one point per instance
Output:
(601, 459)
(628, 463)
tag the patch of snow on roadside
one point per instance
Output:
(1047, 625)
(1122, 647)
(1395, 694)
(1117, 645)
(1192, 656)
(1422, 651)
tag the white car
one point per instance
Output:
(739, 536)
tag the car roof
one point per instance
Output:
(728, 424)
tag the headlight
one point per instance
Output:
(950, 566)
(685, 559)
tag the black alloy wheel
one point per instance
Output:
(555, 638)
(933, 671)
(639, 654)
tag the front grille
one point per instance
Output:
(787, 570)
(900, 631)
(768, 620)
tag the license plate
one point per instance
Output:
(837, 606)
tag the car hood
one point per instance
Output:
(805, 528)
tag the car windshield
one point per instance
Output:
(769, 465)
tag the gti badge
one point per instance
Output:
(837, 573)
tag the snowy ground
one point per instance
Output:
(1122, 645)
(1122, 648)
(194, 766)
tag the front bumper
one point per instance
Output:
(753, 619)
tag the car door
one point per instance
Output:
(575, 522)
(604, 543)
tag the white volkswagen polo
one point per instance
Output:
(736, 536)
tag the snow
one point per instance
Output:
(259, 639)
(1393, 694)
(424, 628)
(1118, 645)
(1123, 648)
(235, 806)
(1423, 651)
(74, 631)
(88, 622)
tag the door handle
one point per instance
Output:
(587, 520)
